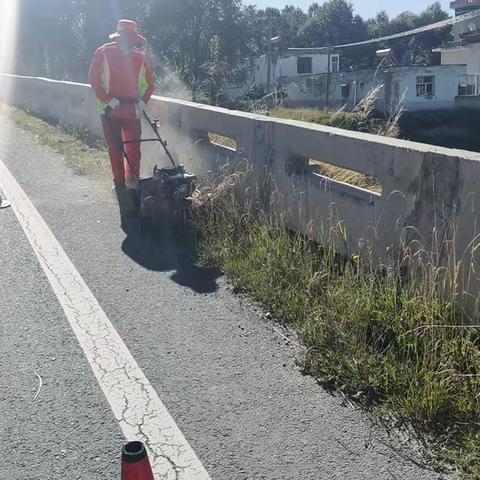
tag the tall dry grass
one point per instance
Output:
(392, 338)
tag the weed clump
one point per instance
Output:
(386, 338)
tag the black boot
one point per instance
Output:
(125, 201)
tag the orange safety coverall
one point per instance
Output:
(128, 78)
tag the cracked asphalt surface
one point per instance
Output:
(227, 377)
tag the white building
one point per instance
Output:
(298, 62)
(423, 88)
(454, 83)
(414, 88)
(464, 6)
(464, 50)
(293, 62)
(309, 80)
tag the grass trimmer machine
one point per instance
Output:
(166, 196)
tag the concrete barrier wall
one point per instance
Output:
(424, 188)
(472, 102)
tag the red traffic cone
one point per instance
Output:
(135, 463)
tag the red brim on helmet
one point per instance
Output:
(133, 36)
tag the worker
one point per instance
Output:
(123, 82)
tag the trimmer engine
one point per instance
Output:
(166, 197)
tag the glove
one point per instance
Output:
(114, 103)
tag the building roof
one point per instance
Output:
(307, 51)
(464, 3)
(474, 38)
(450, 46)
(463, 6)
(410, 33)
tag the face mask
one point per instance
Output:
(125, 46)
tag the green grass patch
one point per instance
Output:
(83, 153)
(386, 340)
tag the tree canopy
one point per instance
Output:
(202, 42)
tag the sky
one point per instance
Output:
(365, 8)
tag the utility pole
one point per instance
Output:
(269, 58)
(328, 75)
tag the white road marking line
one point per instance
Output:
(135, 404)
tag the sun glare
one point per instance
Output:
(8, 35)
(8, 40)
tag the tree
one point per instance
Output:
(314, 9)
(46, 44)
(433, 14)
(204, 43)
(378, 26)
(333, 23)
(197, 38)
(291, 21)
(418, 49)
(409, 50)
(61, 45)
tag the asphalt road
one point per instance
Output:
(227, 376)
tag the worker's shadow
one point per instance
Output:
(164, 253)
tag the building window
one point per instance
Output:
(304, 65)
(426, 86)
(345, 91)
(467, 85)
(335, 64)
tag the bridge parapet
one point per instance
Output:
(427, 192)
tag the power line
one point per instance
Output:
(410, 33)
